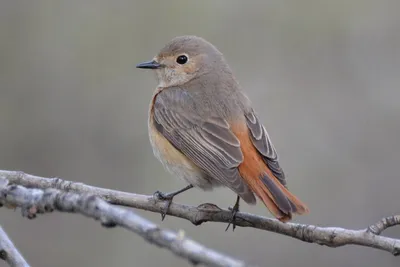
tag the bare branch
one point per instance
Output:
(9, 253)
(328, 236)
(37, 201)
(383, 224)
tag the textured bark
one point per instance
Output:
(328, 236)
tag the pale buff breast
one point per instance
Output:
(174, 161)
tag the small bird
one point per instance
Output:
(202, 127)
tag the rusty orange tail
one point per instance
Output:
(276, 197)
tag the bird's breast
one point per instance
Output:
(162, 148)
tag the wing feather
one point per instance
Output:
(262, 141)
(208, 142)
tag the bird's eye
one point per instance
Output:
(182, 59)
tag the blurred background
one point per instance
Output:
(323, 75)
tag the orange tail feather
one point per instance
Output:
(276, 197)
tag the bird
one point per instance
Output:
(202, 128)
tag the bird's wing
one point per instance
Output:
(262, 142)
(208, 142)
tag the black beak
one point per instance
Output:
(149, 65)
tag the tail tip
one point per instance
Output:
(285, 217)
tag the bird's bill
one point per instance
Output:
(152, 64)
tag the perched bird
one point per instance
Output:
(203, 128)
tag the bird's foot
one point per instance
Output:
(234, 211)
(168, 197)
(164, 197)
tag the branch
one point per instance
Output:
(9, 253)
(383, 224)
(38, 201)
(328, 236)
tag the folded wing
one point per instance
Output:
(208, 142)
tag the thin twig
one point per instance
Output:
(37, 201)
(9, 253)
(328, 236)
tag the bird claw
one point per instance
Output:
(234, 210)
(158, 195)
(164, 211)
(232, 221)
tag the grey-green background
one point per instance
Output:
(323, 75)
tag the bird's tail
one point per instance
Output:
(280, 202)
(277, 198)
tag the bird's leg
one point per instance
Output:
(168, 198)
(234, 210)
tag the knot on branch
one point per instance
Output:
(305, 232)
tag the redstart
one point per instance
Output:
(203, 128)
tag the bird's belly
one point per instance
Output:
(176, 162)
